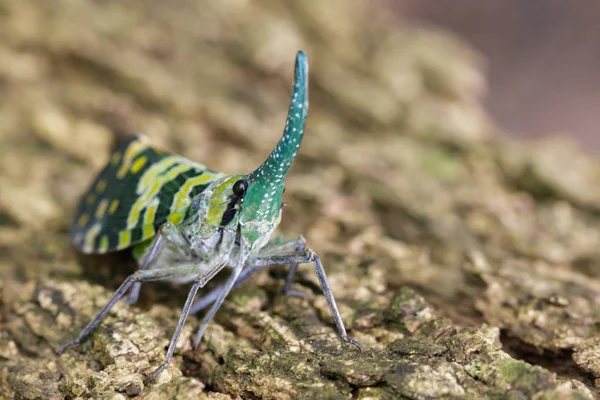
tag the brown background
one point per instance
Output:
(543, 60)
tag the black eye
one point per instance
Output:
(239, 188)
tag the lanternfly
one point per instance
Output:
(187, 222)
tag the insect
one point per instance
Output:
(187, 222)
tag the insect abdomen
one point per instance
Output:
(139, 189)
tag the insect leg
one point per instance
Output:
(139, 276)
(209, 298)
(224, 291)
(278, 245)
(297, 244)
(309, 256)
(300, 246)
(100, 316)
(184, 314)
(134, 293)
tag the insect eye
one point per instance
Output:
(239, 188)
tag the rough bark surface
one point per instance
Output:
(467, 265)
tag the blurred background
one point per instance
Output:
(542, 60)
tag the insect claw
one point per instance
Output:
(67, 345)
(354, 343)
(159, 370)
(196, 342)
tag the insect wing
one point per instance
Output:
(137, 191)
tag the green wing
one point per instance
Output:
(139, 190)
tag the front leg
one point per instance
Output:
(274, 247)
(309, 256)
(221, 297)
(212, 296)
(198, 283)
(298, 245)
